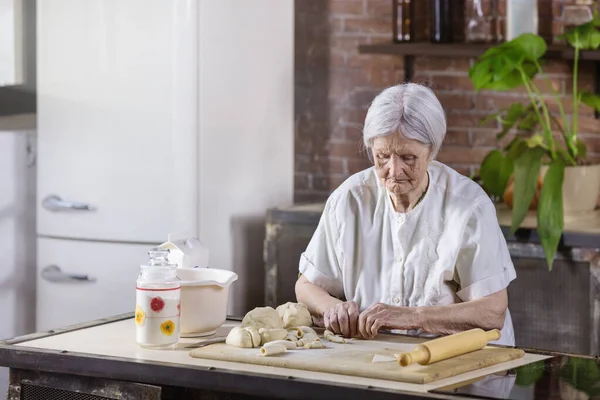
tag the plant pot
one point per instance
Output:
(509, 194)
(581, 185)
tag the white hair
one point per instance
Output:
(410, 109)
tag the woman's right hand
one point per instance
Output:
(342, 318)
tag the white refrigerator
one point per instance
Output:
(133, 144)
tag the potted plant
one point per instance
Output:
(546, 159)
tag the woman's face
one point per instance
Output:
(401, 163)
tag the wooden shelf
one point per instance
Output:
(460, 50)
(410, 50)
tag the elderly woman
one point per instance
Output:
(409, 244)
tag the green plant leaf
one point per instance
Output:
(581, 149)
(583, 374)
(496, 169)
(535, 141)
(584, 36)
(531, 46)
(516, 147)
(591, 100)
(510, 118)
(527, 170)
(529, 374)
(550, 210)
(480, 75)
(530, 120)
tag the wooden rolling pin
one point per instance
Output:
(449, 346)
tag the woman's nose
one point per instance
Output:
(395, 166)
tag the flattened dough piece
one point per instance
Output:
(269, 335)
(262, 317)
(332, 337)
(256, 339)
(287, 344)
(294, 314)
(314, 345)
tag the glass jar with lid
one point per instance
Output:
(158, 299)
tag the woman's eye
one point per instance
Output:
(409, 158)
(382, 156)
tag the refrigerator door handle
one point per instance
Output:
(55, 203)
(53, 273)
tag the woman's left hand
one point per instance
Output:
(385, 316)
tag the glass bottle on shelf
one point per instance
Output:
(481, 21)
(403, 17)
(441, 21)
(158, 296)
(521, 17)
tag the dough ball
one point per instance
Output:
(294, 314)
(239, 337)
(262, 317)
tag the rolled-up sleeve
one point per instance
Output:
(483, 265)
(320, 263)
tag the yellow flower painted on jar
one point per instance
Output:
(167, 327)
(140, 316)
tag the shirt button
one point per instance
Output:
(398, 258)
(396, 300)
(400, 219)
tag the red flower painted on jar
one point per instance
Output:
(157, 304)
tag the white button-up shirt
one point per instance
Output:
(448, 249)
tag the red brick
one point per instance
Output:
(557, 67)
(546, 86)
(343, 149)
(301, 181)
(442, 64)
(310, 197)
(468, 120)
(347, 133)
(462, 169)
(358, 164)
(592, 143)
(588, 125)
(487, 138)
(350, 117)
(382, 77)
(460, 154)
(584, 83)
(336, 25)
(363, 97)
(456, 100)
(451, 82)
(380, 9)
(368, 26)
(328, 183)
(346, 7)
(342, 81)
(456, 138)
(495, 101)
(319, 165)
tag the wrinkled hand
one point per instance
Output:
(342, 318)
(381, 315)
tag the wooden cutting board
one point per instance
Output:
(355, 359)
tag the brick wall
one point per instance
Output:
(334, 86)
